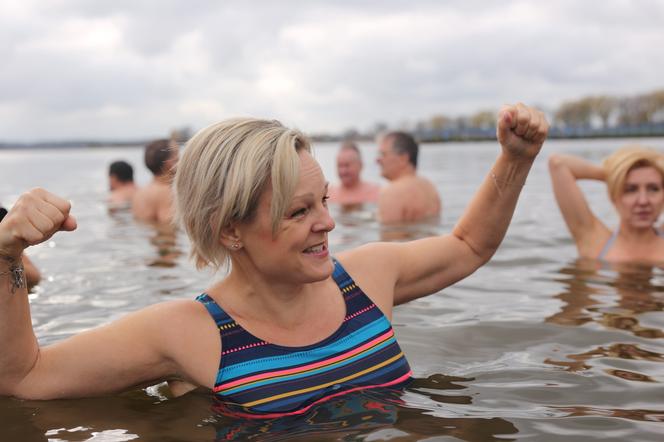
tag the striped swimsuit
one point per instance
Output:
(260, 379)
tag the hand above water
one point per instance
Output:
(521, 130)
(35, 217)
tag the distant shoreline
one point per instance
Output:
(446, 136)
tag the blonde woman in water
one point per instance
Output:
(634, 178)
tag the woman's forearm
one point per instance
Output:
(580, 168)
(17, 339)
(35, 217)
(485, 222)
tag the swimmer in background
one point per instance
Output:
(154, 202)
(408, 197)
(121, 184)
(352, 191)
(634, 178)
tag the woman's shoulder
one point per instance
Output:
(179, 310)
(372, 260)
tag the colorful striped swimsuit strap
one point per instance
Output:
(220, 317)
(346, 284)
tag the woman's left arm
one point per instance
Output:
(425, 266)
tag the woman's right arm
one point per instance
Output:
(565, 170)
(108, 359)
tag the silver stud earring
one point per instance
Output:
(236, 246)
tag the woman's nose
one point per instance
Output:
(324, 223)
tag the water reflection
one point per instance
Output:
(636, 415)
(409, 232)
(632, 287)
(164, 239)
(154, 415)
(613, 296)
(356, 224)
(125, 417)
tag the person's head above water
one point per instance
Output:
(160, 156)
(635, 182)
(224, 171)
(397, 154)
(349, 164)
(120, 172)
(620, 163)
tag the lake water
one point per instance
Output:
(534, 346)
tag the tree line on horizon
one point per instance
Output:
(590, 111)
(589, 116)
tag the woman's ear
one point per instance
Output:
(230, 238)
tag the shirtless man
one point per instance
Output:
(408, 197)
(121, 183)
(154, 202)
(352, 190)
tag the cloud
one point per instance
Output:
(80, 69)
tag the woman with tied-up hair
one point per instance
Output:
(290, 326)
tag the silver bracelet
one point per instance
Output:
(16, 273)
(495, 182)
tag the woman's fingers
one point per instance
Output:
(35, 217)
(521, 129)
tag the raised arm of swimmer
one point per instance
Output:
(565, 170)
(35, 217)
(107, 359)
(406, 271)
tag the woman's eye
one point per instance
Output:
(325, 199)
(298, 212)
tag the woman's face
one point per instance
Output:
(298, 252)
(642, 197)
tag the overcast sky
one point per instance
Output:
(123, 69)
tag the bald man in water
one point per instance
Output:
(408, 197)
(352, 189)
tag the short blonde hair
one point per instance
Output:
(223, 172)
(624, 160)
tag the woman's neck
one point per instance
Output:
(257, 297)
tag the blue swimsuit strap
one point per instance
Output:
(608, 244)
(217, 313)
(612, 239)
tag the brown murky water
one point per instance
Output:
(534, 346)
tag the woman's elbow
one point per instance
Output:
(555, 162)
